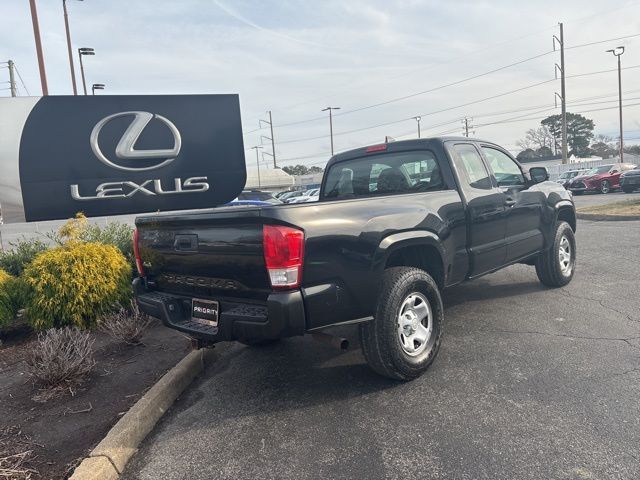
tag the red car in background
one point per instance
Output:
(602, 179)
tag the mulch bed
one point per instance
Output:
(47, 439)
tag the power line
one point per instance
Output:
(457, 82)
(21, 80)
(517, 119)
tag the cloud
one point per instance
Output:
(295, 57)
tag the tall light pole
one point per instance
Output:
(36, 34)
(330, 109)
(256, 148)
(71, 65)
(417, 119)
(96, 86)
(81, 53)
(618, 51)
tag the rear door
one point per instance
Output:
(485, 209)
(523, 211)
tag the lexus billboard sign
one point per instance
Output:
(111, 155)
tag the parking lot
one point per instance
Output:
(530, 383)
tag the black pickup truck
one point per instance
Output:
(395, 224)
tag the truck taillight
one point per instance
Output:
(136, 253)
(283, 255)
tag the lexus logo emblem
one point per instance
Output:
(125, 150)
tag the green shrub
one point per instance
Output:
(120, 235)
(6, 304)
(76, 283)
(14, 293)
(21, 254)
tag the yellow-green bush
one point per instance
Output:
(6, 304)
(75, 283)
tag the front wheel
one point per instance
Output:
(627, 190)
(404, 337)
(556, 265)
(605, 186)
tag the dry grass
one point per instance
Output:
(61, 357)
(126, 325)
(627, 208)
(15, 466)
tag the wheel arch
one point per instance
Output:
(418, 249)
(566, 212)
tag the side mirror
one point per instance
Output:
(614, 172)
(538, 174)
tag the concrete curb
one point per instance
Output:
(108, 459)
(605, 218)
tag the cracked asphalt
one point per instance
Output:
(530, 383)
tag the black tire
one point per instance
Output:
(380, 338)
(627, 190)
(577, 192)
(551, 271)
(258, 343)
(605, 187)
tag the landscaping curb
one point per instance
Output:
(108, 459)
(602, 217)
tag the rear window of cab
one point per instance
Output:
(384, 174)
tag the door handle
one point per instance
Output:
(509, 202)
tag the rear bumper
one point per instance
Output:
(281, 316)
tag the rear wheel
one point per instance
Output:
(605, 186)
(555, 267)
(627, 190)
(404, 337)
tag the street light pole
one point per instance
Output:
(330, 109)
(36, 34)
(71, 65)
(417, 119)
(618, 51)
(256, 148)
(81, 53)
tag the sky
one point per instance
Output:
(382, 62)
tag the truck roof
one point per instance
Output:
(403, 145)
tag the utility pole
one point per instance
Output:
(563, 96)
(71, 65)
(466, 126)
(417, 119)
(12, 79)
(618, 51)
(256, 148)
(36, 34)
(330, 109)
(273, 143)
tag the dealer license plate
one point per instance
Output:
(205, 311)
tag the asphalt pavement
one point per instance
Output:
(530, 383)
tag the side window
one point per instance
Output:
(471, 167)
(506, 171)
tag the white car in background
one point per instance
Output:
(308, 196)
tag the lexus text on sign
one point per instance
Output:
(113, 155)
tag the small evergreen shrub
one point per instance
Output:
(21, 254)
(76, 283)
(120, 235)
(6, 302)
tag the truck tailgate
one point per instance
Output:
(206, 255)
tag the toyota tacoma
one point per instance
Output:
(394, 225)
